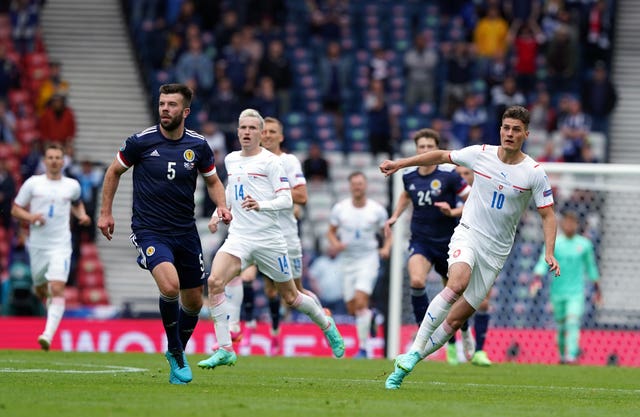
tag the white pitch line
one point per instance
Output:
(474, 385)
(110, 368)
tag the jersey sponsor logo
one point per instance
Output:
(155, 153)
(189, 155)
(150, 251)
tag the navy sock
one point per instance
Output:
(420, 303)
(480, 325)
(187, 321)
(465, 326)
(274, 309)
(169, 311)
(248, 300)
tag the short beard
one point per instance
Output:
(171, 125)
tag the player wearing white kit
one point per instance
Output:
(354, 224)
(257, 190)
(44, 202)
(505, 181)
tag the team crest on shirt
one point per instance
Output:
(436, 187)
(189, 155)
(150, 251)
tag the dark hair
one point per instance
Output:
(518, 113)
(56, 146)
(427, 133)
(181, 89)
(356, 174)
(274, 120)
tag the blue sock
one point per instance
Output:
(480, 325)
(274, 309)
(248, 300)
(169, 311)
(186, 324)
(420, 303)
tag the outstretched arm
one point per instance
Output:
(106, 223)
(424, 159)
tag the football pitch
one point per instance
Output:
(50, 384)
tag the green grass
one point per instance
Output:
(34, 383)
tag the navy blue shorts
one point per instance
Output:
(436, 254)
(184, 251)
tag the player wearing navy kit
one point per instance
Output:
(166, 161)
(506, 179)
(433, 191)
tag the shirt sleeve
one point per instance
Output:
(590, 261)
(206, 161)
(466, 156)
(25, 193)
(129, 153)
(542, 192)
(294, 172)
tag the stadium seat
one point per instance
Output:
(94, 296)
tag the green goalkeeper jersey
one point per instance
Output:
(577, 261)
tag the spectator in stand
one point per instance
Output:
(543, 114)
(598, 34)
(236, 64)
(52, 85)
(326, 19)
(335, 78)
(226, 29)
(526, 39)
(7, 124)
(25, 22)
(599, 98)
(380, 67)
(315, 167)
(575, 130)
(504, 96)
(472, 113)
(218, 143)
(379, 119)
(460, 72)
(251, 44)
(276, 65)
(30, 158)
(562, 60)
(224, 107)
(186, 16)
(58, 123)
(9, 73)
(7, 192)
(195, 69)
(265, 100)
(490, 34)
(420, 63)
(269, 31)
(90, 177)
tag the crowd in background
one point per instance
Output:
(342, 75)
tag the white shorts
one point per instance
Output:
(359, 274)
(270, 256)
(463, 248)
(49, 264)
(294, 248)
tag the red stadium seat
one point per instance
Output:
(72, 297)
(88, 249)
(36, 59)
(90, 279)
(94, 296)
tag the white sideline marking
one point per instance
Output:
(110, 368)
(474, 385)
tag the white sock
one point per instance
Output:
(439, 337)
(55, 311)
(220, 317)
(363, 327)
(313, 297)
(234, 293)
(437, 311)
(306, 305)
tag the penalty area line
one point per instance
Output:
(106, 369)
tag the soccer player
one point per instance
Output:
(272, 138)
(44, 202)
(505, 181)
(433, 191)
(575, 253)
(257, 190)
(482, 315)
(166, 159)
(354, 225)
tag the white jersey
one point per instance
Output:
(51, 198)
(357, 226)
(293, 171)
(500, 194)
(262, 177)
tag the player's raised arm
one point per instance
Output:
(388, 167)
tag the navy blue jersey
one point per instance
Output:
(165, 172)
(428, 224)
